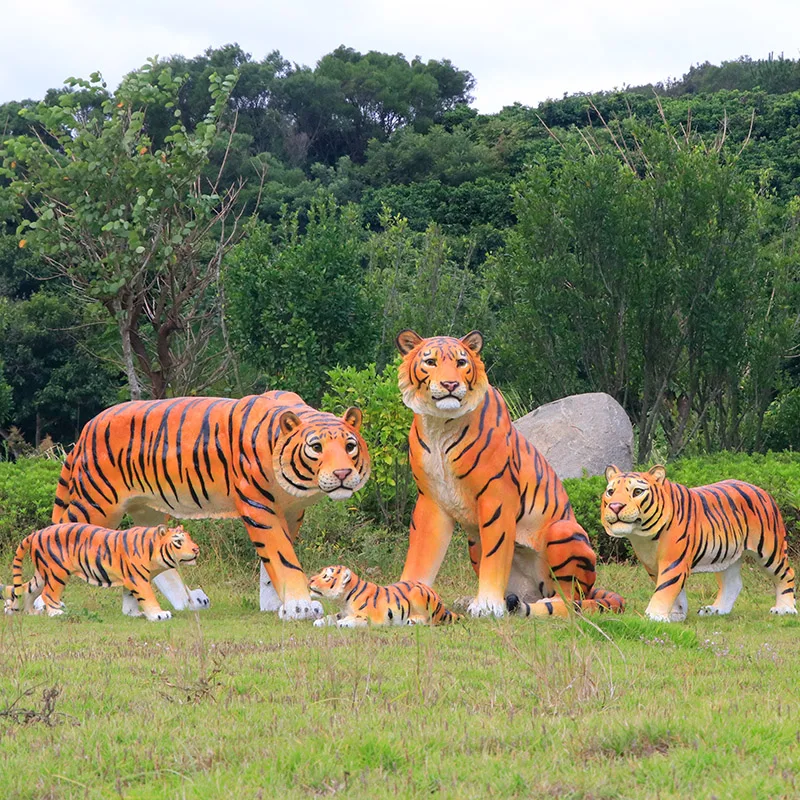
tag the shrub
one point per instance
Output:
(390, 492)
(782, 422)
(27, 490)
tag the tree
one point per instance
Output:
(296, 302)
(131, 225)
(639, 272)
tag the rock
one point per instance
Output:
(581, 432)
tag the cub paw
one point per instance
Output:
(38, 605)
(709, 611)
(300, 609)
(159, 616)
(782, 610)
(486, 608)
(55, 612)
(198, 600)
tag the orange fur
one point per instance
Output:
(101, 557)
(364, 603)
(473, 467)
(676, 531)
(263, 459)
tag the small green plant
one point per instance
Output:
(390, 493)
(27, 490)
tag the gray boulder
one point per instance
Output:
(581, 432)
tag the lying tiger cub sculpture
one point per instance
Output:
(472, 466)
(101, 557)
(676, 531)
(364, 603)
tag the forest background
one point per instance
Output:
(226, 225)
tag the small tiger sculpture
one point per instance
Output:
(676, 531)
(101, 557)
(262, 459)
(472, 466)
(364, 603)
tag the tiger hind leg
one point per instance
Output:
(51, 598)
(730, 584)
(782, 576)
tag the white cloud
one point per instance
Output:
(518, 51)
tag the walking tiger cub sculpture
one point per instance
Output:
(364, 603)
(101, 557)
(676, 531)
(262, 459)
(472, 466)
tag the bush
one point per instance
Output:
(390, 493)
(782, 422)
(27, 490)
(777, 473)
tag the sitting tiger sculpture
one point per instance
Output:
(676, 531)
(364, 603)
(472, 466)
(262, 459)
(101, 557)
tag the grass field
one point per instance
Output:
(233, 703)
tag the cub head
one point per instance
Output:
(175, 547)
(321, 453)
(633, 502)
(442, 376)
(331, 582)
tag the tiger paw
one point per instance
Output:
(486, 608)
(198, 600)
(159, 616)
(782, 610)
(55, 612)
(130, 606)
(658, 617)
(300, 609)
(38, 605)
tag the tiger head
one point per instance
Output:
(174, 547)
(442, 376)
(331, 582)
(322, 453)
(633, 502)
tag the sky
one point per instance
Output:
(521, 52)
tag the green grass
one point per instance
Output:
(232, 703)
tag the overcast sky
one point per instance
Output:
(518, 51)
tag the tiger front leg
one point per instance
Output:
(148, 603)
(429, 537)
(668, 603)
(497, 527)
(270, 534)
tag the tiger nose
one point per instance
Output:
(616, 507)
(451, 386)
(341, 474)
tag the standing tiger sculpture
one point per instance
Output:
(473, 467)
(676, 531)
(262, 459)
(101, 557)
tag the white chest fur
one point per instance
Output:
(447, 490)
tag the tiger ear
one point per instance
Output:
(612, 471)
(161, 530)
(474, 341)
(346, 575)
(289, 421)
(353, 417)
(407, 340)
(659, 472)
